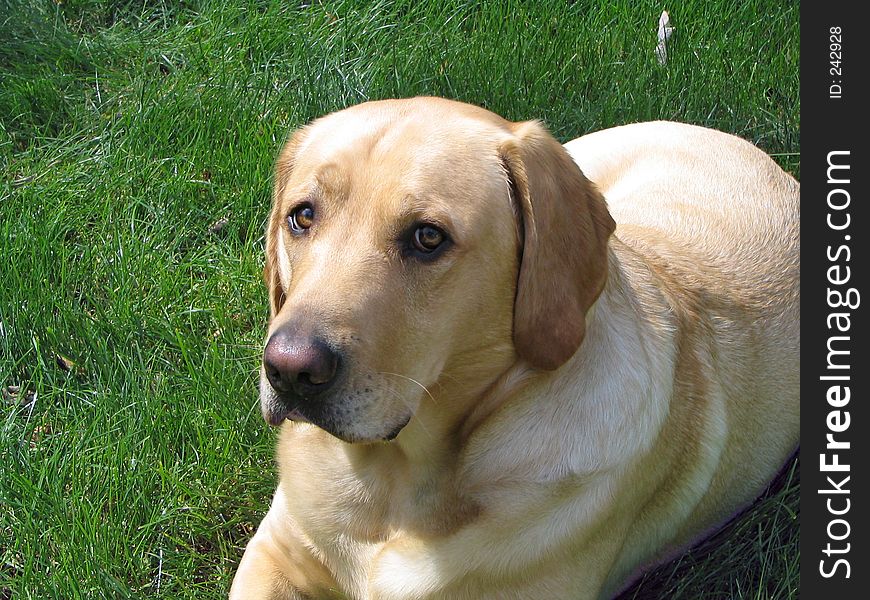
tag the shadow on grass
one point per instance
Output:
(751, 556)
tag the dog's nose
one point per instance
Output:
(300, 364)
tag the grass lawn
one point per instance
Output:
(136, 146)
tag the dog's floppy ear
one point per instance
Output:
(283, 170)
(565, 226)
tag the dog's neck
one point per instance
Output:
(425, 460)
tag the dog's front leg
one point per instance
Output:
(260, 576)
(277, 565)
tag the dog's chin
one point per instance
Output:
(368, 437)
(276, 412)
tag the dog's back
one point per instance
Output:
(741, 217)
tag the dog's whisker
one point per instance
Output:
(411, 379)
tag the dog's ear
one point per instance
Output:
(283, 170)
(564, 226)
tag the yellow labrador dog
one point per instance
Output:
(488, 386)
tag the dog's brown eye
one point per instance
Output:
(427, 238)
(301, 218)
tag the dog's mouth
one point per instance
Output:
(277, 416)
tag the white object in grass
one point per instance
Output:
(665, 32)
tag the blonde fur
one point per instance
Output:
(581, 401)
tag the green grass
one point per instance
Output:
(133, 460)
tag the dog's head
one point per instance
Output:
(416, 246)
